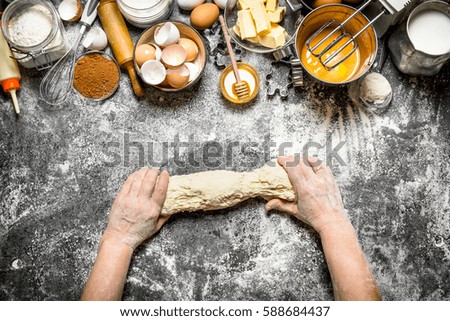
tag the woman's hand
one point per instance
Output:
(318, 201)
(135, 214)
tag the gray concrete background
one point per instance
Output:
(57, 183)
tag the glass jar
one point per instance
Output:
(144, 13)
(34, 32)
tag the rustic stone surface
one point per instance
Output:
(62, 167)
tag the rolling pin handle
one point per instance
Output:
(137, 87)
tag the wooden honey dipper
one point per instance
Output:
(119, 39)
(240, 87)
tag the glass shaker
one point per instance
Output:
(34, 32)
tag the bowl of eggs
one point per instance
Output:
(170, 56)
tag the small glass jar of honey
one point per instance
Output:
(248, 74)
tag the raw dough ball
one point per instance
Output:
(375, 88)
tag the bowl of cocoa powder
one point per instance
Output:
(96, 75)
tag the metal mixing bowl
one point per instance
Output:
(367, 42)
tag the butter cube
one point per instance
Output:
(275, 38)
(271, 5)
(236, 30)
(260, 16)
(277, 15)
(246, 24)
(247, 4)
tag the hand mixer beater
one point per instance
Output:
(328, 54)
(55, 86)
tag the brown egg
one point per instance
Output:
(203, 16)
(144, 53)
(178, 78)
(319, 3)
(191, 48)
(173, 56)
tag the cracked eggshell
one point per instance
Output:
(95, 39)
(194, 70)
(189, 4)
(153, 72)
(167, 35)
(179, 77)
(173, 56)
(70, 10)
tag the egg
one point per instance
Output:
(319, 3)
(95, 39)
(191, 48)
(203, 16)
(173, 56)
(221, 3)
(144, 53)
(189, 4)
(153, 72)
(179, 77)
(167, 35)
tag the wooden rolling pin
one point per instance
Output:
(119, 40)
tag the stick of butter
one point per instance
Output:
(246, 24)
(275, 38)
(260, 16)
(277, 15)
(271, 5)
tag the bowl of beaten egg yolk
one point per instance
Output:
(355, 65)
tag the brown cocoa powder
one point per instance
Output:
(95, 76)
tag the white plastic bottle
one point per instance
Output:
(9, 72)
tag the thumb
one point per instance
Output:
(282, 205)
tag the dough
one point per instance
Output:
(221, 189)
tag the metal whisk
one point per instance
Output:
(332, 50)
(56, 84)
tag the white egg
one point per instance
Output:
(95, 39)
(221, 3)
(189, 4)
(153, 72)
(167, 35)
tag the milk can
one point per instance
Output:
(421, 44)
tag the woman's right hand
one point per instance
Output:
(318, 200)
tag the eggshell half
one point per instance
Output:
(95, 39)
(191, 48)
(70, 10)
(173, 56)
(178, 78)
(167, 35)
(153, 72)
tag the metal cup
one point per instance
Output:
(406, 57)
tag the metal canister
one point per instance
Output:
(407, 56)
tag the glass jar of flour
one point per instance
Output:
(144, 13)
(34, 32)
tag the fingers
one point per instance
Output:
(137, 179)
(289, 163)
(283, 206)
(148, 183)
(159, 194)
